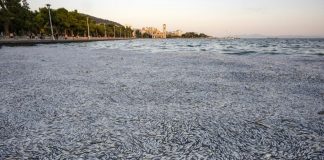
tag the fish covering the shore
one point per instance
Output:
(163, 99)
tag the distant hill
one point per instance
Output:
(253, 36)
(100, 20)
(280, 36)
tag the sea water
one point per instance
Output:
(218, 46)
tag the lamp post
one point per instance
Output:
(88, 28)
(120, 32)
(114, 31)
(125, 31)
(50, 18)
(105, 30)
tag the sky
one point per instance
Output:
(214, 17)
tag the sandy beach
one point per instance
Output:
(76, 102)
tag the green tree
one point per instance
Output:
(146, 35)
(63, 22)
(42, 21)
(194, 35)
(16, 17)
(9, 12)
(138, 34)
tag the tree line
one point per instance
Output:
(138, 34)
(194, 35)
(17, 18)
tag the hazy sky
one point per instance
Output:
(214, 17)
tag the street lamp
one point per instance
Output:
(120, 32)
(114, 31)
(105, 30)
(88, 28)
(50, 17)
(125, 32)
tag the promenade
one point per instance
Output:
(27, 41)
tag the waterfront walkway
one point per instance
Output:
(15, 42)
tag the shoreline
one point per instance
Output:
(28, 42)
(84, 101)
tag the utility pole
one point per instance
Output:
(50, 18)
(164, 31)
(114, 31)
(88, 28)
(105, 30)
(125, 32)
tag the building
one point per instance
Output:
(154, 32)
(177, 33)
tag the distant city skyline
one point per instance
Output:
(215, 18)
